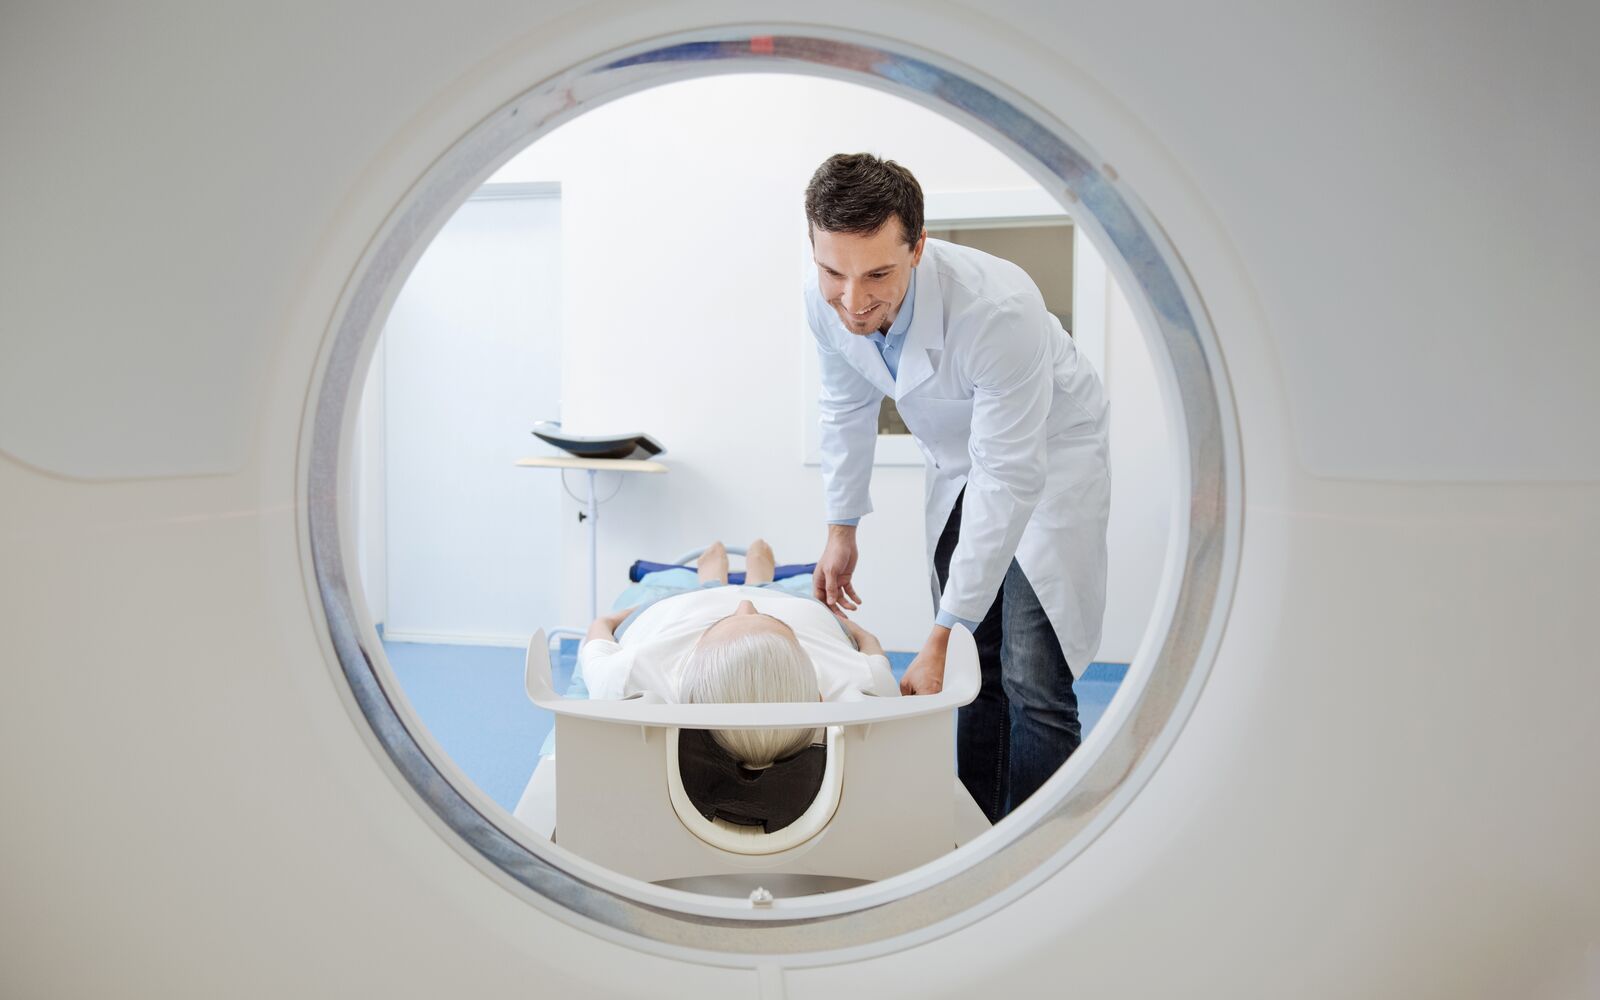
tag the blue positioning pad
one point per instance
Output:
(641, 568)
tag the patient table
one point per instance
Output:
(889, 799)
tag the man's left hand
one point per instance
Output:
(926, 673)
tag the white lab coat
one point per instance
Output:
(1000, 401)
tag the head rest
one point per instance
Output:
(720, 787)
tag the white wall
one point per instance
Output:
(1143, 478)
(1091, 283)
(471, 358)
(684, 249)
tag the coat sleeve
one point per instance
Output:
(847, 408)
(1012, 382)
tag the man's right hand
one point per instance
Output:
(830, 582)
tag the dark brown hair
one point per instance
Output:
(857, 193)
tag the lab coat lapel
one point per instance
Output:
(925, 339)
(864, 357)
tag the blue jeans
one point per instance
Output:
(1024, 723)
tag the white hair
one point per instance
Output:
(748, 668)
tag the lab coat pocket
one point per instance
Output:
(941, 426)
(935, 420)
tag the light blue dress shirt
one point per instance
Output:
(889, 346)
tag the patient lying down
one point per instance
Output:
(715, 643)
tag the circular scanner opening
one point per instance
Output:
(1059, 821)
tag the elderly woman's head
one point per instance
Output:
(751, 657)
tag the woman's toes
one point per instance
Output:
(714, 555)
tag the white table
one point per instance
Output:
(592, 467)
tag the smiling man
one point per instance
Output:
(1012, 423)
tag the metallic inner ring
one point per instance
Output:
(1024, 850)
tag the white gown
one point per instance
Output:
(650, 655)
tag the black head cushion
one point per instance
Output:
(722, 788)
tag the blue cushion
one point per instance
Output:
(637, 571)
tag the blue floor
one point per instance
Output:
(472, 700)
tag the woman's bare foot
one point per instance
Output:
(713, 564)
(759, 563)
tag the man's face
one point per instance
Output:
(865, 277)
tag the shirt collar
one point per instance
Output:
(902, 320)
